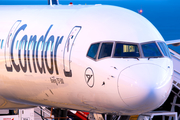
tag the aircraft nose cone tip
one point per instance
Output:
(144, 86)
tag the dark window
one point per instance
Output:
(106, 49)
(92, 53)
(151, 50)
(164, 49)
(126, 50)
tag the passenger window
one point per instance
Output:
(126, 50)
(164, 49)
(92, 53)
(151, 50)
(106, 49)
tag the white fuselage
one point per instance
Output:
(45, 59)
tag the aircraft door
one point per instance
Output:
(8, 45)
(67, 50)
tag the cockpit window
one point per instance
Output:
(92, 53)
(164, 49)
(106, 49)
(126, 50)
(119, 49)
(151, 50)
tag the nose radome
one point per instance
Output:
(144, 86)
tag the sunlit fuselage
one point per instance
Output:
(47, 59)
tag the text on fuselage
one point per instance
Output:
(36, 63)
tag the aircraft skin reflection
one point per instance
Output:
(101, 59)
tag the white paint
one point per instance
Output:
(130, 86)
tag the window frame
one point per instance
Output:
(131, 43)
(157, 47)
(161, 49)
(139, 45)
(97, 51)
(100, 50)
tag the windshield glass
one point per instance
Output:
(119, 49)
(92, 53)
(106, 49)
(126, 50)
(151, 50)
(164, 49)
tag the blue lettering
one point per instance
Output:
(23, 43)
(16, 67)
(33, 45)
(42, 41)
(50, 40)
(58, 41)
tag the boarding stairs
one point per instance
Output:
(176, 81)
(176, 62)
(42, 113)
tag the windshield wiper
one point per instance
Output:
(132, 57)
(152, 57)
(136, 58)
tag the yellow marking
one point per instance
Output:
(5, 102)
(133, 117)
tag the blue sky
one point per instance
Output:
(3, 2)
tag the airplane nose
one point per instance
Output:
(144, 86)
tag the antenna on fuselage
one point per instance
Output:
(53, 2)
